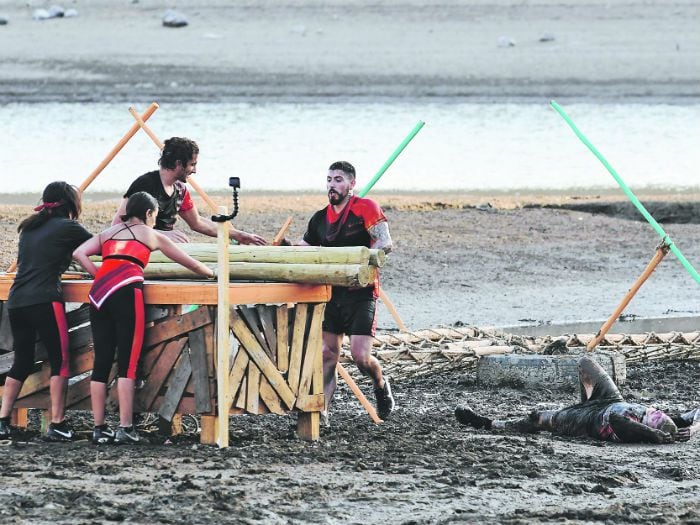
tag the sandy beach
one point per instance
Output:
(481, 259)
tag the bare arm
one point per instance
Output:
(207, 227)
(170, 249)
(120, 211)
(83, 252)
(381, 238)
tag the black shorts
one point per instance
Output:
(351, 317)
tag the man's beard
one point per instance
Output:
(335, 198)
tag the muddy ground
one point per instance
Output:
(455, 262)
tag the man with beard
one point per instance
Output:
(351, 221)
(178, 161)
(602, 414)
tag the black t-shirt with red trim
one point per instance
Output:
(168, 205)
(350, 227)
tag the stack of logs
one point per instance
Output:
(354, 266)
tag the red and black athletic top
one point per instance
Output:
(123, 261)
(350, 227)
(168, 205)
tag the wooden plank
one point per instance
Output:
(309, 426)
(240, 398)
(282, 314)
(35, 382)
(176, 325)
(236, 375)
(176, 387)
(200, 371)
(159, 373)
(208, 434)
(203, 293)
(313, 348)
(258, 355)
(270, 397)
(80, 315)
(210, 345)
(223, 348)
(252, 396)
(268, 326)
(250, 317)
(297, 346)
(19, 417)
(310, 402)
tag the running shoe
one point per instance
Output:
(102, 435)
(385, 400)
(59, 432)
(466, 416)
(127, 436)
(5, 431)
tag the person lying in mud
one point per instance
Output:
(602, 414)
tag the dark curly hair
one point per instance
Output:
(177, 149)
(345, 167)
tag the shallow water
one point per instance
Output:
(288, 146)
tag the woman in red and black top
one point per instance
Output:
(117, 307)
(35, 304)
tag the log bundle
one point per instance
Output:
(354, 266)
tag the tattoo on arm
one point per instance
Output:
(380, 236)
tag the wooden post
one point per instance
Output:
(20, 417)
(358, 393)
(191, 180)
(222, 334)
(661, 252)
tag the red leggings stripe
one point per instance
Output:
(137, 341)
(59, 313)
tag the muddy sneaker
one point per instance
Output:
(59, 432)
(385, 401)
(102, 435)
(466, 416)
(127, 436)
(5, 431)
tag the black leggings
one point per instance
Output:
(49, 321)
(118, 325)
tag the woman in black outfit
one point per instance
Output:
(35, 304)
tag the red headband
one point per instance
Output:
(49, 205)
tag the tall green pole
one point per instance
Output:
(632, 197)
(391, 159)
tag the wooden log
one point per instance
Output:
(351, 275)
(313, 349)
(298, 332)
(200, 371)
(252, 399)
(159, 373)
(282, 313)
(206, 253)
(270, 397)
(258, 355)
(176, 325)
(277, 239)
(176, 388)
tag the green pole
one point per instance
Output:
(391, 159)
(632, 197)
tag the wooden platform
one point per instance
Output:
(275, 364)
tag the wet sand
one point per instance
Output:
(119, 51)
